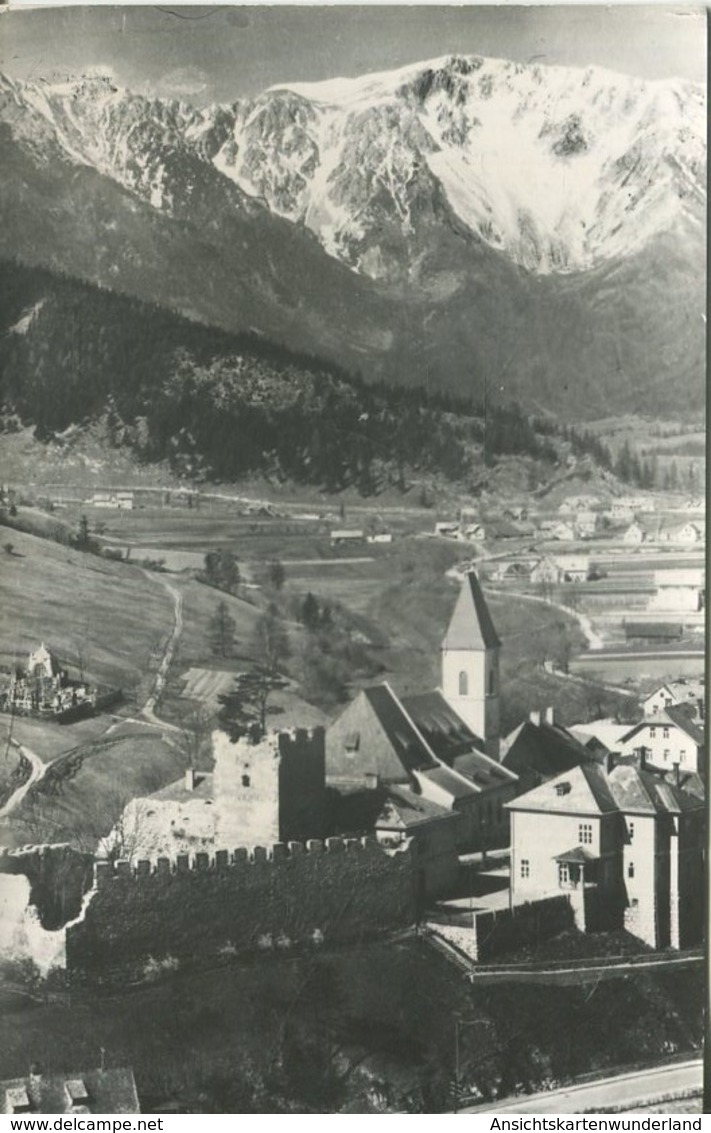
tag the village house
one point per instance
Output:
(573, 568)
(689, 691)
(374, 743)
(634, 504)
(686, 534)
(584, 503)
(539, 749)
(448, 527)
(346, 535)
(562, 531)
(585, 524)
(117, 500)
(546, 571)
(635, 534)
(625, 845)
(671, 738)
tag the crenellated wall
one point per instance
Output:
(193, 912)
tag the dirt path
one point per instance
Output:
(591, 636)
(148, 710)
(38, 769)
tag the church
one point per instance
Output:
(436, 750)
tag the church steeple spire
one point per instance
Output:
(470, 664)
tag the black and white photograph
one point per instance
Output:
(352, 560)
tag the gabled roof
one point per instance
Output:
(583, 790)
(642, 792)
(375, 736)
(546, 749)
(579, 855)
(471, 626)
(405, 740)
(483, 772)
(677, 715)
(443, 728)
(403, 809)
(448, 781)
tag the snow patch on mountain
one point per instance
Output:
(558, 168)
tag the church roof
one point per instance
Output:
(443, 728)
(471, 626)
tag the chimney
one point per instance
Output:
(550, 715)
(371, 780)
(677, 775)
(701, 707)
(643, 759)
(190, 778)
(535, 718)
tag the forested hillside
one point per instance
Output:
(222, 406)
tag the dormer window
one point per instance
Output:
(352, 741)
(246, 781)
(562, 788)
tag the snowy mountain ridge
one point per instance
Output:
(558, 168)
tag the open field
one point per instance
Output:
(103, 616)
(85, 791)
(50, 740)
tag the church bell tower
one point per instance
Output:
(470, 664)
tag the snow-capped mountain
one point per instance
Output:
(407, 222)
(558, 168)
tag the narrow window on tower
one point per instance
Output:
(463, 684)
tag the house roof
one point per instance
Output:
(402, 809)
(178, 792)
(582, 790)
(404, 738)
(654, 629)
(677, 715)
(546, 749)
(394, 749)
(482, 771)
(96, 1091)
(579, 855)
(471, 626)
(448, 781)
(443, 728)
(642, 792)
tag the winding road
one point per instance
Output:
(38, 769)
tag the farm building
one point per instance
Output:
(347, 536)
(654, 631)
(682, 590)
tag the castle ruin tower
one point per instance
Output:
(470, 664)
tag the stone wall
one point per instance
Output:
(193, 913)
(58, 875)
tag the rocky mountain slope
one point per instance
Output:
(463, 222)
